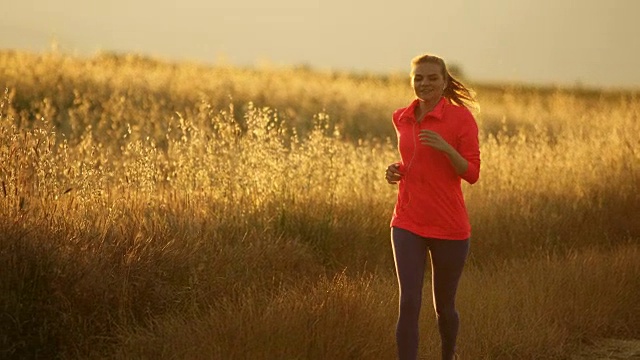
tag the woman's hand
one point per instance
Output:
(393, 174)
(433, 139)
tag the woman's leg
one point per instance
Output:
(409, 253)
(447, 261)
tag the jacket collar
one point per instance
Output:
(437, 111)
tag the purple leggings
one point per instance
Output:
(447, 261)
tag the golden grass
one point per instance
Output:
(156, 210)
(538, 309)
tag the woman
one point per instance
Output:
(438, 145)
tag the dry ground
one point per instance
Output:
(611, 349)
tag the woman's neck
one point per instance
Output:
(424, 107)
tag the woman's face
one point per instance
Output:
(427, 81)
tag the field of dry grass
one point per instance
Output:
(178, 211)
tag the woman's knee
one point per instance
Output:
(446, 312)
(410, 303)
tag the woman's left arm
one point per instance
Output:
(465, 159)
(469, 150)
(460, 164)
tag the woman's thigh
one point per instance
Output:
(447, 262)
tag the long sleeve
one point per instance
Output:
(469, 148)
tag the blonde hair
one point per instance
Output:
(455, 91)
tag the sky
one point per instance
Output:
(592, 43)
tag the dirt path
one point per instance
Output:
(612, 349)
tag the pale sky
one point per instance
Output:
(561, 42)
